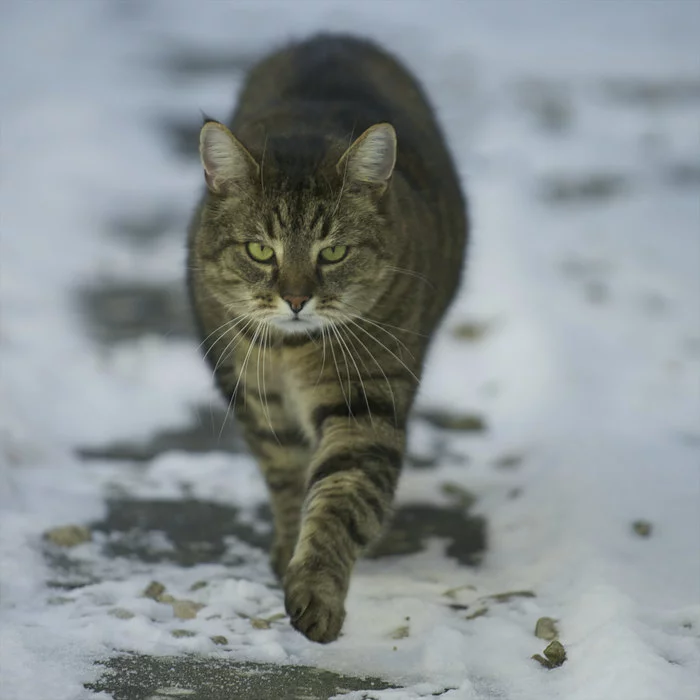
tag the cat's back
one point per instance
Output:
(341, 85)
(331, 71)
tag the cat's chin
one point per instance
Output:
(297, 326)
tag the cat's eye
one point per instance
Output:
(333, 254)
(259, 252)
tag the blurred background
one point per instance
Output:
(563, 387)
(574, 127)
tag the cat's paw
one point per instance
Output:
(280, 555)
(314, 600)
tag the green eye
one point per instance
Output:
(334, 254)
(260, 252)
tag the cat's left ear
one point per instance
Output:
(228, 166)
(371, 158)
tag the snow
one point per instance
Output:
(590, 370)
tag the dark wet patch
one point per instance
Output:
(655, 304)
(137, 677)
(414, 524)
(683, 175)
(652, 93)
(210, 431)
(116, 312)
(689, 438)
(182, 137)
(196, 530)
(191, 532)
(185, 532)
(147, 228)
(592, 275)
(596, 292)
(189, 63)
(68, 572)
(548, 104)
(588, 188)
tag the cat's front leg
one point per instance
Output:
(283, 455)
(350, 490)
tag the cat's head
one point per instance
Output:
(300, 236)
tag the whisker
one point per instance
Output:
(391, 335)
(411, 273)
(225, 327)
(263, 395)
(331, 327)
(347, 370)
(381, 369)
(393, 354)
(224, 356)
(345, 341)
(323, 357)
(238, 382)
(382, 323)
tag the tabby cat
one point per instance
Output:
(327, 246)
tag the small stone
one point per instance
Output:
(166, 598)
(219, 639)
(154, 590)
(509, 461)
(59, 600)
(197, 585)
(452, 592)
(186, 609)
(275, 617)
(546, 628)
(68, 535)
(463, 422)
(400, 632)
(182, 633)
(507, 597)
(463, 497)
(480, 612)
(642, 528)
(555, 655)
(121, 613)
(471, 331)
(259, 624)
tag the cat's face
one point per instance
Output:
(297, 253)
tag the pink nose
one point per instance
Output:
(296, 303)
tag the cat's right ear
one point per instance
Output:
(228, 167)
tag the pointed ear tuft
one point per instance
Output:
(371, 158)
(227, 164)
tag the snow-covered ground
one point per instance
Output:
(576, 128)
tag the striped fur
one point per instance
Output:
(325, 410)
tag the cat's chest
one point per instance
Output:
(279, 370)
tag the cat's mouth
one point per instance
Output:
(297, 324)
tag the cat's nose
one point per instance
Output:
(296, 303)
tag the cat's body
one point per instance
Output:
(320, 263)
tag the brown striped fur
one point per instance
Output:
(325, 403)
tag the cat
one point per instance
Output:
(327, 247)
